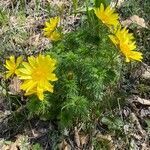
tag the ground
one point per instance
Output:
(128, 127)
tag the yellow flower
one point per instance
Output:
(55, 36)
(107, 16)
(50, 29)
(129, 52)
(122, 35)
(125, 42)
(37, 74)
(12, 66)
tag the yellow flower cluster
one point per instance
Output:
(120, 36)
(50, 29)
(36, 74)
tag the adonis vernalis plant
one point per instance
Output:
(88, 64)
(50, 29)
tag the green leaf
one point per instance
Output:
(36, 147)
(105, 2)
(148, 124)
(113, 123)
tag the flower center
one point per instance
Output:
(39, 74)
(105, 18)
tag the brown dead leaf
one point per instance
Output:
(32, 3)
(38, 41)
(64, 145)
(16, 145)
(141, 100)
(14, 86)
(134, 19)
(84, 139)
(13, 21)
(144, 146)
(30, 22)
(13, 146)
(76, 137)
(80, 138)
(146, 73)
(6, 3)
(145, 112)
(6, 147)
(138, 125)
(136, 136)
(133, 145)
(108, 138)
(58, 3)
(117, 3)
(34, 40)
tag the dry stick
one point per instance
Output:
(146, 66)
(116, 3)
(135, 119)
(77, 137)
(122, 120)
(143, 132)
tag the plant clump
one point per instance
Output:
(84, 64)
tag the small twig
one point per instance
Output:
(135, 119)
(116, 3)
